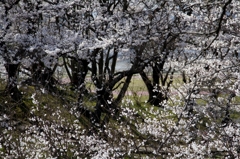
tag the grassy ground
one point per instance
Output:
(47, 104)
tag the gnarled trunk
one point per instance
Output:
(11, 88)
(155, 95)
(44, 76)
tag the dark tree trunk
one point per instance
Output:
(155, 97)
(104, 104)
(11, 88)
(75, 69)
(44, 76)
(12, 71)
(105, 86)
(81, 79)
(48, 81)
(104, 92)
(79, 69)
(36, 71)
(156, 94)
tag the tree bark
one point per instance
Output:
(43, 76)
(155, 96)
(11, 88)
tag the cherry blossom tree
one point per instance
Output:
(190, 47)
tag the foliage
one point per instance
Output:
(62, 96)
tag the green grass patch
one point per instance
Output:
(236, 100)
(235, 115)
(201, 102)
